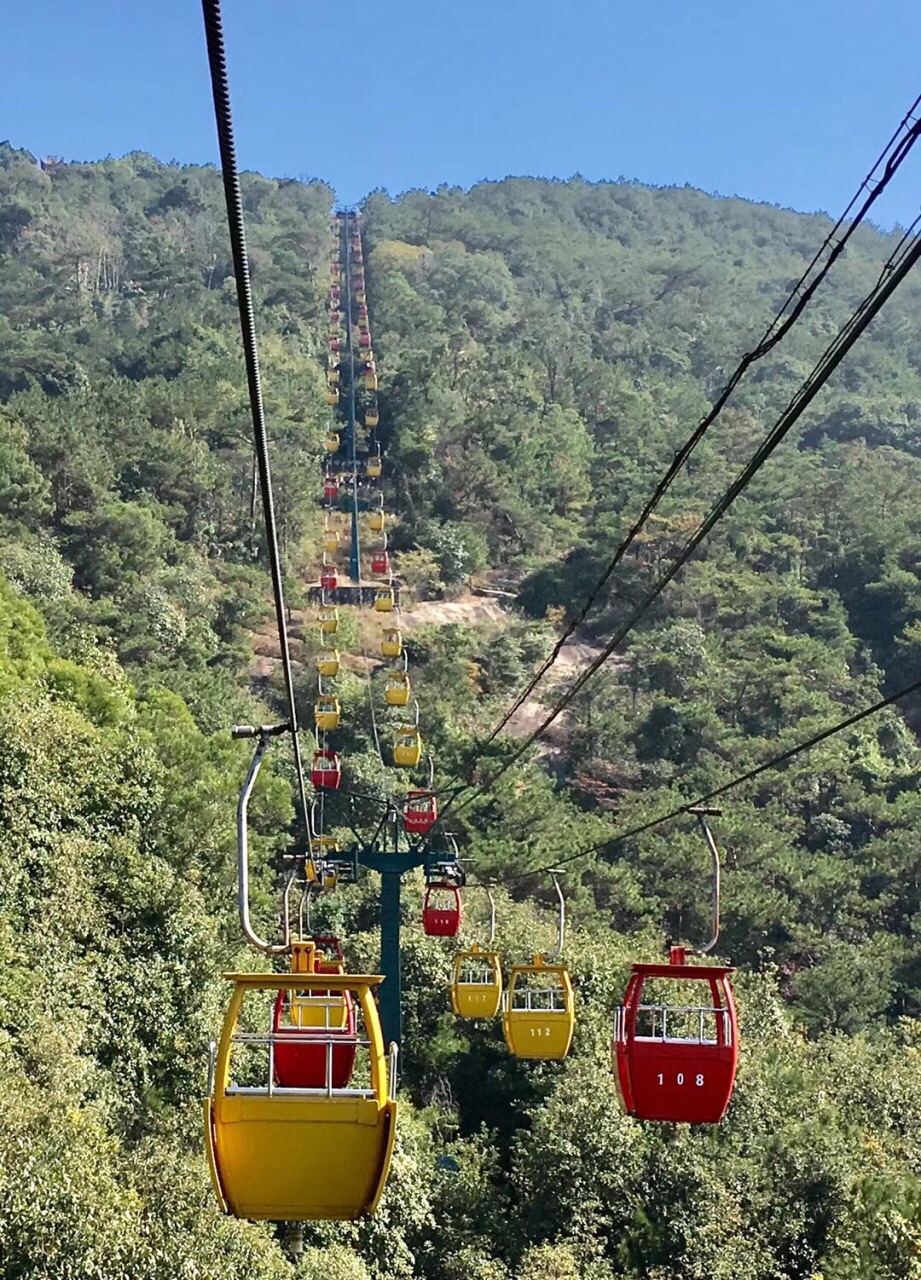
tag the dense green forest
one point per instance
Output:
(543, 348)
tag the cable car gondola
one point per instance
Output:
(330, 489)
(538, 1015)
(442, 910)
(328, 618)
(676, 1035)
(420, 812)
(326, 771)
(328, 662)
(327, 713)
(384, 600)
(376, 521)
(380, 562)
(293, 1154)
(676, 1051)
(398, 689)
(373, 467)
(538, 1008)
(331, 443)
(329, 579)
(407, 746)
(392, 643)
(476, 983)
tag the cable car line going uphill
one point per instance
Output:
(301, 1112)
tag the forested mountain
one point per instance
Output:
(543, 348)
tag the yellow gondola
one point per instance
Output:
(398, 689)
(331, 443)
(370, 381)
(328, 662)
(331, 540)
(323, 847)
(392, 643)
(376, 521)
(407, 747)
(291, 1154)
(538, 1010)
(372, 418)
(384, 600)
(327, 713)
(328, 618)
(373, 467)
(332, 395)
(476, 983)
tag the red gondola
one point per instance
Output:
(335, 344)
(323, 1022)
(329, 579)
(330, 957)
(364, 340)
(327, 770)
(420, 812)
(380, 562)
(676, 1055)
(442, 910)
(330, 489)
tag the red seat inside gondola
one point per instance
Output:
(320, 1042)
(442, 910)
(676, 1042)
(420, 812)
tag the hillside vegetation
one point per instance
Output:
(543, 348)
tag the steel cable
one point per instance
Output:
(775, 762)
(217, 61)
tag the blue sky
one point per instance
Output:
(787, 101)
